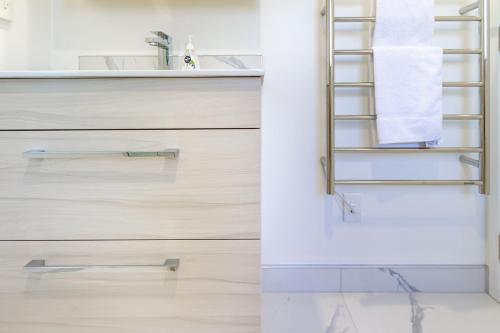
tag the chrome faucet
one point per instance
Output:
(164, 44)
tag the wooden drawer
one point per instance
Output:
(166, 103)
(215, 289)
(211, 191)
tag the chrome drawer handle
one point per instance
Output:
(171, 154)
(40, 266)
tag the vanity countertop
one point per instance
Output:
(131, 74)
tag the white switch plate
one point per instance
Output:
(353, 208)
(6, 10)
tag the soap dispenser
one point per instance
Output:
(191, 61)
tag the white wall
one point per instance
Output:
(25, 42)
(494, 200)
(426, 225)
(58, 31)
(117, 27)
(123, 24)
(3, 36)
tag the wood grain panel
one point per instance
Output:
(212, 191)
(215, 290)
(166, 103)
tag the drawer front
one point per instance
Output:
(214, 290)
(84, 189)
(130, 103)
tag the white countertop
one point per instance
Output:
(131, 74)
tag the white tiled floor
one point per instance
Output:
(380, 313)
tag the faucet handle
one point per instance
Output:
(162, 35)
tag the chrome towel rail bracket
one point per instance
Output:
(470, 161)
(466, 9)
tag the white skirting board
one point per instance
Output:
(369, 278)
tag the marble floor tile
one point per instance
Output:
(300, 313)
(380, 313)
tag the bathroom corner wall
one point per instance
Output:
(494, 200)
(303, 226)
(25, 42)
(3, 36)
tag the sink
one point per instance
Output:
(139, 62)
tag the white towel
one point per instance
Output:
(404, 23)
(408, 95)
(408, 73)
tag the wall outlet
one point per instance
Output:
(6, 10)
(352, 207)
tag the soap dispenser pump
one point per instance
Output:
(191, 61)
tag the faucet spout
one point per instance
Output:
(163, 43)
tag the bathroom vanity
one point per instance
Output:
(130, 201)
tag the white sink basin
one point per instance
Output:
(210, 62)
(102, 66)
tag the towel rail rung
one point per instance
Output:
(354, 19)
(458, 150)
(412, 182)
(370, 52)
(463, 117)
(461, 84)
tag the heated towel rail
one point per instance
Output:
(483, 117)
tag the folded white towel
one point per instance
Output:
(408, 73)
(408, 95)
